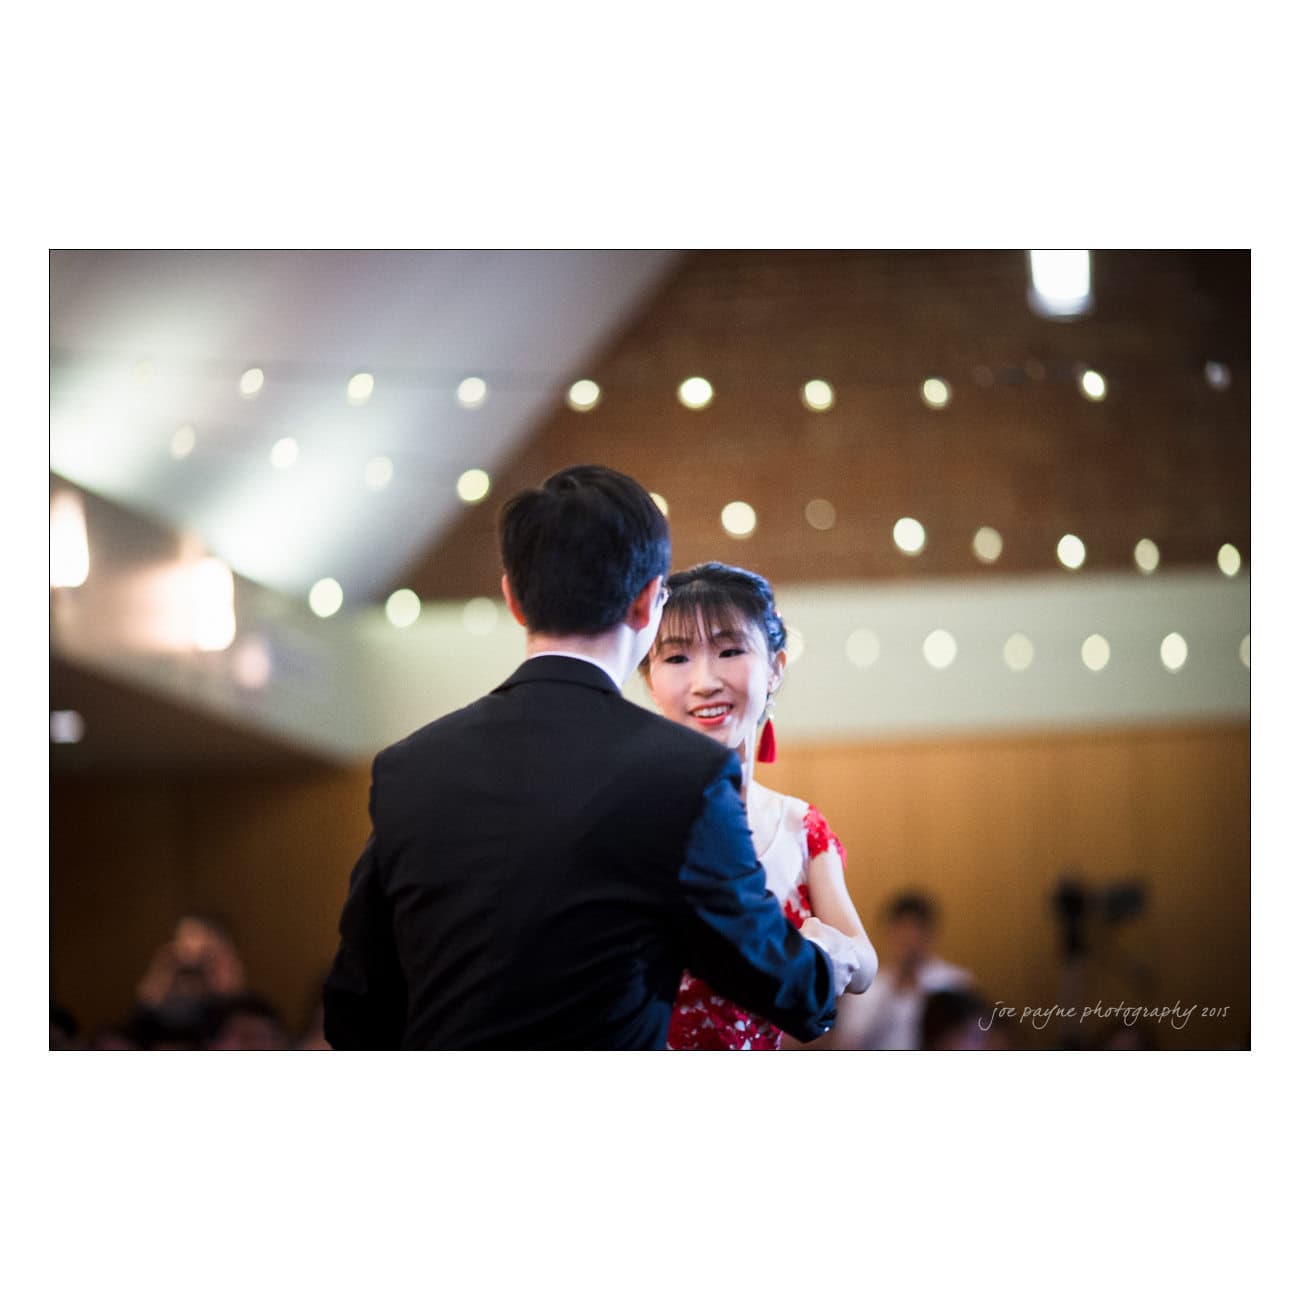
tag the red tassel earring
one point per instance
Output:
(767, 740)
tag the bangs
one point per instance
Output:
(723, 620)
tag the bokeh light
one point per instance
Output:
(909, 536)
(1095, 652)
(939, 648)
(739, 519)
(818, 395)
(583, 395)
(695, 393)
(473, 485)
(402, 607)
(1071, 551)
(325, 598)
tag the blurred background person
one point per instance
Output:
(181, 996)
(890, 1017)
(959, 1020)
(247, 1023)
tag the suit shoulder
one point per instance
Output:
(440, 729)
(673, 739)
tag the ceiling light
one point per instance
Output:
(402, 607)
(939, 648)
(325, 598)
(471, 393)
(862, 647)
(818, 395)
(695, 393)
(1060, 281)
(1071, 551)
(660, 502)
(1229, 560)
(1146, 555)
(935, 394)
(183, 441)
(378, 472)
(473, 485)
(1173, 652)
(739, 519)
(1095, 652)
(284, 453)
(67, 726)
(584, 395)
(1018, 652)
(1092, 385)
(909, 536)
(212, 587)
(987, 545)
(251, 381)
(69, 546)
(360, 386)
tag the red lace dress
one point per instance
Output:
(703, 1020)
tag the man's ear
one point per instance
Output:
(643, 608)
(511, 603)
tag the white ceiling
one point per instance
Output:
(143, 343)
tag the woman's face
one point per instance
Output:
(717, 686)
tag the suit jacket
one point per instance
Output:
(542, 866)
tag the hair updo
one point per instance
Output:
(727, 600)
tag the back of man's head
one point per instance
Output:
(579, 549)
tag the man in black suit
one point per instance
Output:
(544, 862)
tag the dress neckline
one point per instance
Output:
(779, 802)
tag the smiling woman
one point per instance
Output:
(718, 660)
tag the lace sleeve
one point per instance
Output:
(821, 837)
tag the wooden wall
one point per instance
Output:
(987, 825)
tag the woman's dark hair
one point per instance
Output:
(579, 549)
(729, 601)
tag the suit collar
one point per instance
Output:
(560, 668)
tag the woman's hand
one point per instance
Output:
(845, 954)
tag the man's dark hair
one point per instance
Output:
(578, 549)
(915, 905)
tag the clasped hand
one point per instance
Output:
(846, 956)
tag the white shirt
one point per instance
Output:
(893, 1021)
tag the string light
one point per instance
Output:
(473, 485)
(325, 598)
(583, 395)
(909, 536)
(739, 519)
(695, 393)
(818, 395)
(360, 386)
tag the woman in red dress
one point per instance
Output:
(718, 660)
